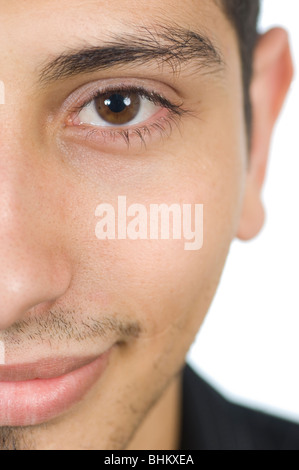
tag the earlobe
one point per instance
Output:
(253, 214)
(272, 75)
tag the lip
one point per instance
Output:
(32, 394)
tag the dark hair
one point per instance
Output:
(243, 15)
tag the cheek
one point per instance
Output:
(158, 282)
(165, 284)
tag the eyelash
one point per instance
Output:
(176, 111)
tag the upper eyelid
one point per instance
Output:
(142, 92)
(83, 94)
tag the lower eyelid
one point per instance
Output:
(120, 137)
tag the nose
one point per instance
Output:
(34, 266)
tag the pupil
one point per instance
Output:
(117, 103)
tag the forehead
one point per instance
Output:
(118, 7)
(63, 22)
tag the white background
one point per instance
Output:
(248, 346)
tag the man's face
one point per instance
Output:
(66, 296)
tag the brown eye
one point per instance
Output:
(118, 108)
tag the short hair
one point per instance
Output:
(243, 15)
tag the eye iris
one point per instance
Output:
(118, 108)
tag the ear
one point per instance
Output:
(272, 75)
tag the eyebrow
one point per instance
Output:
(167, 45)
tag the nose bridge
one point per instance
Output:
(33, 269)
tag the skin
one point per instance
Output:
(52, 180)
